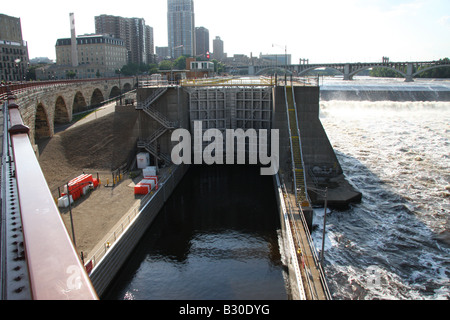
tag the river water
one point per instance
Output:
(396, 243)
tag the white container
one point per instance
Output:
(149, 182)
(149, 172)
(143, 160)
(86, 189)
(63, 202)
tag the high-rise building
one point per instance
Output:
(13, 50)
(201, 41)
(181, 27)
(218, 49)
(162, 53)
(149, 44)
(137, 35)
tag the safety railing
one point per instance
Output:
(228, 81)
(291, 143)
(305, 195)
(54, 268)
(303, 243)
(102, 249)
(290, 240)
(153, 97)
(18, 88)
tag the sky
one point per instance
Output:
(323, 31)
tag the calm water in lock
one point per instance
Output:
(216, 238)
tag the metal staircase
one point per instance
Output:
(144, 144)
(166, 124)
(296, 149)
(152, 98)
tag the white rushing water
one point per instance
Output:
(395, 244)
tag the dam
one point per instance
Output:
(306, 163)
(306, 157)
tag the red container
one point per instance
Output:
(142, 189)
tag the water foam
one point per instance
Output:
(396, 154)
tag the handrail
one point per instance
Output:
(227, 81)
(55, 270)
(301, 148)
(311, 245)
(291, 143)
(115, 234)
(152, 98)
(294, 259)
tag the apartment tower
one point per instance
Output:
(138, 37)
(201, 41)
(181, 27)
(13, 50)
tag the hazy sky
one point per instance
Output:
(320, 30)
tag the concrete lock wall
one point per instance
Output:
(106, 270)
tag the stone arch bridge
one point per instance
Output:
(44, 104)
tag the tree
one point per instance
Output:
(219, 67)
(443, 72)
(166, 65)
(384, 73)
(70, 74)
(180, 62)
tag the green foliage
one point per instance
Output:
(384, 73)
(219, 67)
(443, 72)
(180, 62)
(70, 74)
(166, 65)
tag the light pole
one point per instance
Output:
(71, 219)
(120, 88)
(70, 208)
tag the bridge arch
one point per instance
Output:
(79, 102)
(430, 68)
(61, 112)
(97, 97)
(41, 123)
(127, 87)
(115, 92)
(305, 71)
(271, 70)
(353, 73)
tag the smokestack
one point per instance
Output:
(74, 41)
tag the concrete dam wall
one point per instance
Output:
(251, 107)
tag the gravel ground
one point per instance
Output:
(94, 146)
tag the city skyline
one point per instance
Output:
(321, 31)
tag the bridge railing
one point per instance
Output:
(24, 86)
(54, 268)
